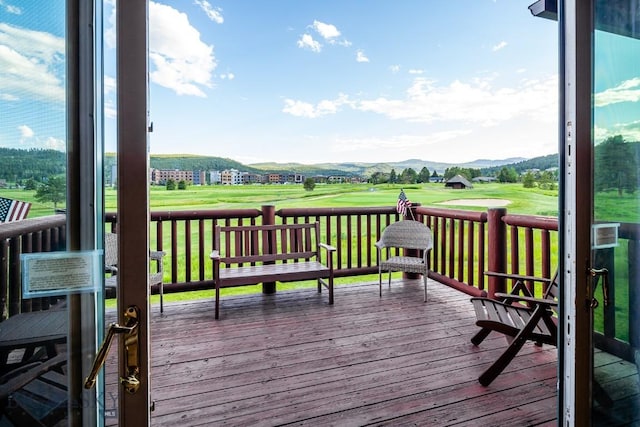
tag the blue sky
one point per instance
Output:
(310, 81)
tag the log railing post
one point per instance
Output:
(269, 218)
(497, 234)
(413, 252)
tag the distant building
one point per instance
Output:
(199, 178)
(458, 182)
(215, 177)
(231, 177)
(161, 176)
(252, 178)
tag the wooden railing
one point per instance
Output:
(467, 243)
(46, 234)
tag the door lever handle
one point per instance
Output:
(131, 381)
(604, 273)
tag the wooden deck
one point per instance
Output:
(292, 359)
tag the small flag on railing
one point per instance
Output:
(13, 210)
(403, 204)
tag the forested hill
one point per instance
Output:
(186, 162)
(540, 163)
(18, 165)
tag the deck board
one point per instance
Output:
(292, 359)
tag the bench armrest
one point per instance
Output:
(327, 247)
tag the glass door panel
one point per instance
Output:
(49, 324)
(615, 239)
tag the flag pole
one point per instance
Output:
(411, 212)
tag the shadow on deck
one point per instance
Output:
(291, 358)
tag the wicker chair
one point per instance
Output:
(407, 234)
(111, 267)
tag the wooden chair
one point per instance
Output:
(520, 316)
(111, 267)
(407, 234)
(35, 394)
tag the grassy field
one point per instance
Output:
(517, 199)
(521, 200)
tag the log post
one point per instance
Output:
(269, 218)
(497, 232)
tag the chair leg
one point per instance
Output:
(505, 358)
(161, 298)
(380, 280)
(424, 278)
(480, 336)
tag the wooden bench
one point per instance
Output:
(254, 254)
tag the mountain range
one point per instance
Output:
(366, 169)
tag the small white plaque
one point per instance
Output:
(60, 273)
(605, 235)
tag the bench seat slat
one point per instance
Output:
(272, 272)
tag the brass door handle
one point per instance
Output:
(131, 381)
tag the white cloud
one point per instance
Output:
(629, 131)
(307, 42)
(229, 76)
(183, 62)
(327, 31)
(477, 102)
(110, 110)
(399, 143)
(361, 57)
(329, 34)
(394, 68)
(213, 13)
(10, 8)
(25, 131)
(415, 71)
(499, 46)
(308, 110)
(31, 64)
(55, 143)
(627, 91)
(110, 30)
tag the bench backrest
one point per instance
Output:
(251, 244)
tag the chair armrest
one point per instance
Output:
(380, 245)
(111, 269)
(540, 301)
(518, 277)
(156, 255)
(327, 247)
(215, 255)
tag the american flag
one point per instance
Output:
(403, 204)
(13, 210)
